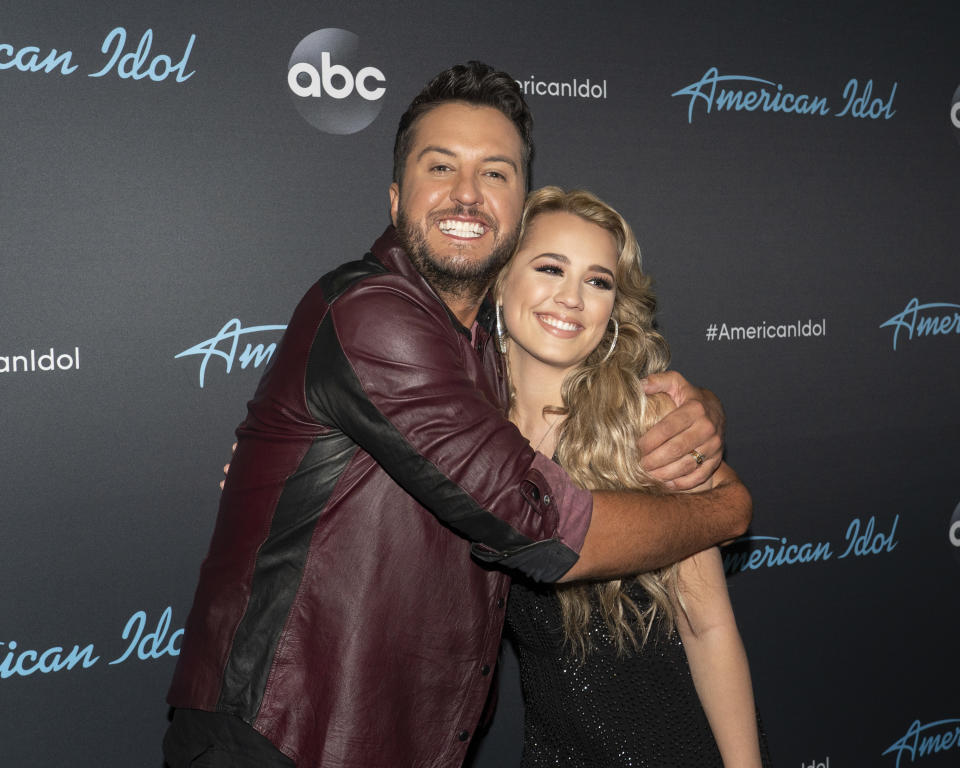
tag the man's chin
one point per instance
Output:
(478, 272)
(453, 265)
(464, 262)
(456, 275)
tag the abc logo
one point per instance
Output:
(329, 88)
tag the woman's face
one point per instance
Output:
(559, 289)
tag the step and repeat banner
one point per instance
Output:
(173, 176)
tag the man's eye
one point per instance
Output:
(496, 175)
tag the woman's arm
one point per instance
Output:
(717, 659)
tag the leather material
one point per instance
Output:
(339, 611)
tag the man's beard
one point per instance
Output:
(452, 277)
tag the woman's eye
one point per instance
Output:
(549, 269)
(601, 282)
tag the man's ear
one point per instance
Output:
(394, 202)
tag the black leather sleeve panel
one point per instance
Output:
(388, 371)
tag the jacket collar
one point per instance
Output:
(389, 252)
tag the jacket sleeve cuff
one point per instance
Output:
(545, 561)
(574, 505)
(549, 489)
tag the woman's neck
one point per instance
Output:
(536, 386)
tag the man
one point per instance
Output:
(347, 612)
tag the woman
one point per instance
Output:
(606, 679)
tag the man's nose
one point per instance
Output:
(466, 190)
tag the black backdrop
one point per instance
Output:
(791, 171)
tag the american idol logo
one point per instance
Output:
(143, 641)
(744, 93)
(862, 539)
(925, 739)
(332, 88)
(226, 346)
(570, 89)
(917, 320)
(126, 59)
(43, 361)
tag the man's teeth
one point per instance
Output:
(559, 323)
(462, 228)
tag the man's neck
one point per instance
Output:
(464, 309)
(463, 301)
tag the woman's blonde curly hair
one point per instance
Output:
(606, 413)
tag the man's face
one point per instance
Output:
(457, 210)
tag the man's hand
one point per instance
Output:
(670, 448)
(226, 467)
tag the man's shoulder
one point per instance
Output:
(386, 263)
(338, 280)
(377, 291)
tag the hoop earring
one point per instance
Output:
(616, 335)
(501, 339)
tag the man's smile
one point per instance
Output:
(464, 229)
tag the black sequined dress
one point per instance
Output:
(638, 710)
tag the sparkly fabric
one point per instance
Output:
(638, 710)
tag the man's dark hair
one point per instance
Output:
(474, 83)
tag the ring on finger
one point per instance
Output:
(697, 457)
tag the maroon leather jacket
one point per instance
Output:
(346, 608)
